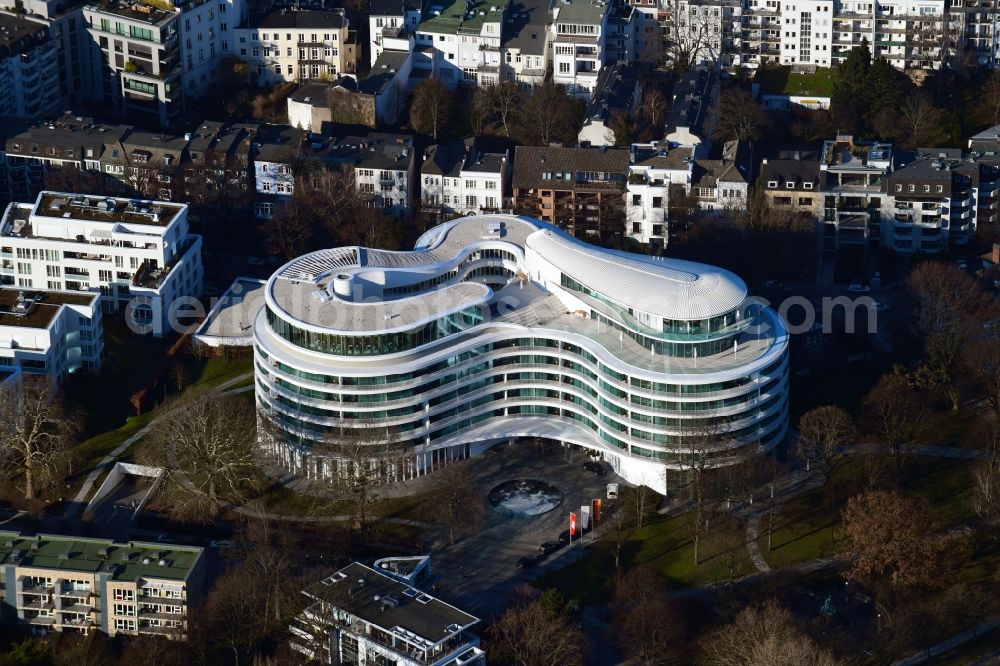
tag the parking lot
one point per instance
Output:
(478, 573)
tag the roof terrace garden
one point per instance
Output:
(460, 16)
(106, 209)
(154, 12)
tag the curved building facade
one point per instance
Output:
(497, 327)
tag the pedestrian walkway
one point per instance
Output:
(949, 645)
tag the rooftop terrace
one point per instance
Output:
(106, 209)
(136, 11)
(460, 16)
(124, 561)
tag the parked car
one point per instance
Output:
(549, 547)
(564, 537)
(612, 491)
(859, 288)
(527, 562)
(595, 467)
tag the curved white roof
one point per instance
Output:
(669, 288)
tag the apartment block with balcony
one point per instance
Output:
(791, 182)
(60, 583)
(711, 30)
(298, 45)
(655, 171)
(136, 66)
(49, 333)
(64, 19)
(207, 35)
(460, 178)
(853, 181)
(384, 165)
(459, 42)
(390, 23)
(527, 47)
(579, 43)
(365, 615)
(581, 190)
(29, 76)
(139, 255)
(276, 148)
(980, 28)
(934, 201)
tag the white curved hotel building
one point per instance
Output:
(497, 327)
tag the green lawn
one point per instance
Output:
(780, 80)
(664, 544)
(807, 527)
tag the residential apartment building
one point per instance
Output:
(458, 41)
(579, 44)
(298, 45)
(459, 178)
(136, 63)
(724, 183)
(29, 76)
(207, 34)
(527, 43)
(60, 583)
(68, 28)
(390, 22)
(914, 35)
(276, 149)
(936, 201)
(384, 166)
(581, 190)
(47, 332)
(655, 171)
(691, 119)
(364, 615)
(618, 92)
(209, 165)
(139, 255)
(852, 178)
(792, 184)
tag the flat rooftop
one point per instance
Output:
(28, 308)
(235, 312)
(124, 561)
(136, 11)
(106, 209)
(362, 592)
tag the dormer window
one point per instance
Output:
(772, 183)
(899, 188)
(790, 185)
(807, 185)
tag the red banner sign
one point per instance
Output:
(572, 524)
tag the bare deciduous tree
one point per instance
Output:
(762, 634)
(948, 306)
(536, 633)
(981, 359)
(454, 502)
(889, 538)
(892, 413)
(615, 532)
(648, 625)
(503, 100)
(991, 97)
(986, 478)
(919, 118)
(35, 434)
(702, 438)
(357, 460)
(740, 117)
(431, 106)
(822, 433)
(207, 446)
(654, 108)
(549, 115)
